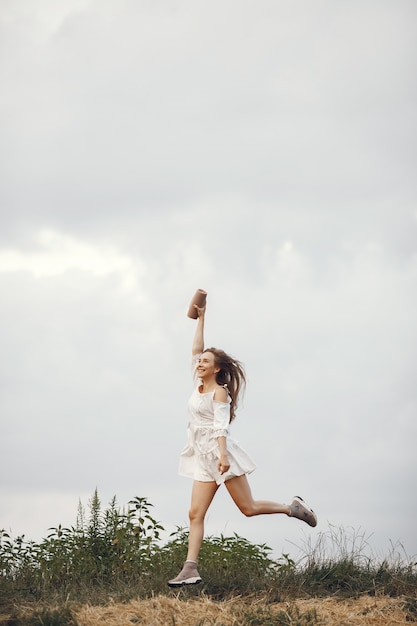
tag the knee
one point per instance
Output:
(248, 510)
(195, 515)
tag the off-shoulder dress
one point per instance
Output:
(210, 419)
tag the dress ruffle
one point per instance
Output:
(204, 466)
(199, 459)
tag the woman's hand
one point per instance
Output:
(200, 310)
(223, 465)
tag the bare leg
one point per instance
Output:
(201, 497)
(239, 489)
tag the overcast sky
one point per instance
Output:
(263, 151)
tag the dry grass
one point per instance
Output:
(364, 611)
(163, 611)
(179, 611)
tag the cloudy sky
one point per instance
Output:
(263, 151)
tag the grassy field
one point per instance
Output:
(202, 611)
(112, 568)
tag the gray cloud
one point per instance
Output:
(264, 154)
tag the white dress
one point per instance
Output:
(209, 419)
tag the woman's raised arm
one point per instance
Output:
(198, 341)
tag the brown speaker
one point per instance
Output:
(199, 298)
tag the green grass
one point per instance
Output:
(341, 562)
(119, 554)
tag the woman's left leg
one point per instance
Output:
(239, 489)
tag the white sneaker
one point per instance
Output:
(300, 510)
(187, 576)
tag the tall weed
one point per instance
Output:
(119, 553)
(341, 561)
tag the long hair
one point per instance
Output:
(232, 373)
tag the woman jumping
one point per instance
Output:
(211, 457)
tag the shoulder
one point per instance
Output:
(220, 394)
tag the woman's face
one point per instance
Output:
(206, 367)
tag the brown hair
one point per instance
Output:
(232, 373)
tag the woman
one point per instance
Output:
(211, 457)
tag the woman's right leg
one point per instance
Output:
(201, 496)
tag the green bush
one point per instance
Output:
(96, 553)
(119, 554)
